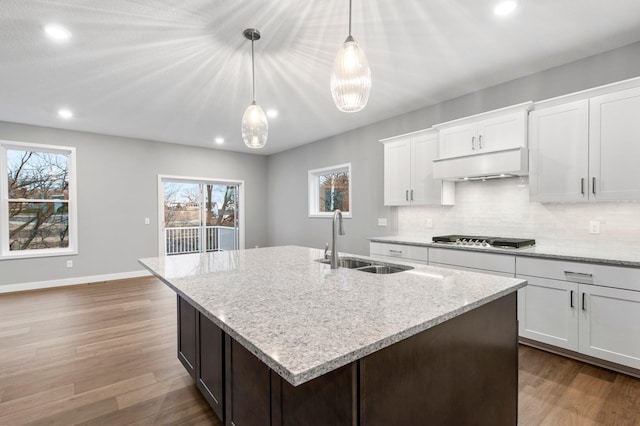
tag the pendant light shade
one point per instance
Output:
(255, 128)
(351, 76)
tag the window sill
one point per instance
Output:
(329, 215)
(30, 254)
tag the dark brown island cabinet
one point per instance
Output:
(461, 372)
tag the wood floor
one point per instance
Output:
(105, 354)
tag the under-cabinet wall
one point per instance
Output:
(502, 207)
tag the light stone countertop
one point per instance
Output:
(621, 255)
(303, 319)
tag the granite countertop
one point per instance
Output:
(598, 254)
(303, 319)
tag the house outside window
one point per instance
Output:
(329, 190)
(38, 193)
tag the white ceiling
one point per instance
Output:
(180, 70)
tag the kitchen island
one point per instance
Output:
(272, 336)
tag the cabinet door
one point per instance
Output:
(248, 387)
(424, 188)
(610, 324)
(614, 146)
(397, 172)
(459, 140)
(507, 131)
(210, 366)
(187, 335)
(559, 153)
(548, 312)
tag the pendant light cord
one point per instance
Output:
(253, 71)
(349, 18)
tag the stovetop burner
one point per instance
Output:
(481, 241)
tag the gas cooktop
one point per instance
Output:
(481, 241)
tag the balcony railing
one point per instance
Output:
(188, 239)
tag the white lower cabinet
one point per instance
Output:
(488, 263)
(387, 251)
(547, 312)
(601, 321)
(609, 324)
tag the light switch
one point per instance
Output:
(147, 221)
(594, 227)
(382, 221)
(429, 223)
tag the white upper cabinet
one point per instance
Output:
(408, 171)
(559, 152)
(586, 149)
(397, 172)
(487, 132)
(614, 146)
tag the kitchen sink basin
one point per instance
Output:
(385, 269)
(349, 262)
(368, 266)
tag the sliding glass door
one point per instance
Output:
(199, 216)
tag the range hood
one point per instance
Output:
(487, 165)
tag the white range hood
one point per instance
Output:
(493, 164)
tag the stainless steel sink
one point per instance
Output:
(367, 265)
(349, 262)
(385, 269)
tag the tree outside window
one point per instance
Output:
(330, 190)
(36, 216)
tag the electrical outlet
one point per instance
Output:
(147, 221)
(429, 223)
(382, 221)
(594, 227)
(69, 263)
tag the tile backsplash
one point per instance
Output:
(501, 207)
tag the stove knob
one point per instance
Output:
(485, 243)
(463, 242)
(458, 241)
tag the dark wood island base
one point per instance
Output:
(461, 372)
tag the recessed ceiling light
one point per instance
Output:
(57, 32)
(272, 113)
(219, 140)
(505, 7)
(65, 113)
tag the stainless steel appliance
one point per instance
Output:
(483, 241)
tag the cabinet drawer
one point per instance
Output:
(474, 260)
(463, 268)
(418, 253)
(587, 273)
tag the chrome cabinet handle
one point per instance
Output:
(480, 142)
(593, 185)
(412, 195)
(582, 186)
(571, 299)
(473, 143)
(395, 251)
(406, 195)
(580, 274)
(583, 304)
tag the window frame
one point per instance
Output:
(70, 152)
(314, 195)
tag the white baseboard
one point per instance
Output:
(10, 288)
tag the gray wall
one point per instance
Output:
(287, 171)
(117, 188)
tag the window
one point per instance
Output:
(330, 189)
(38, 193)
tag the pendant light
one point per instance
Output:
(255, 128)
(351, 76)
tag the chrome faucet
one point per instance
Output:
(337, 216)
